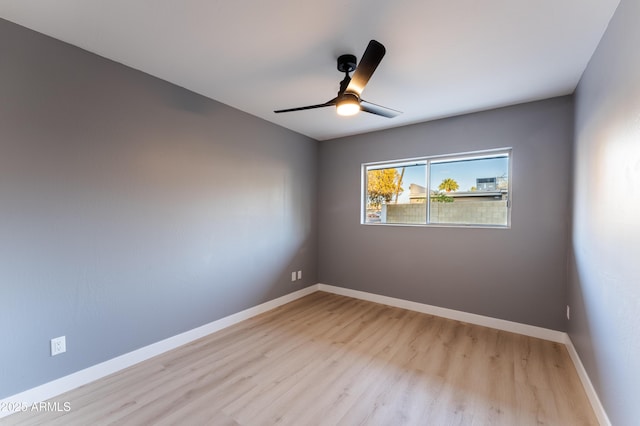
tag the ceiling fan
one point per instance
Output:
(348, 101)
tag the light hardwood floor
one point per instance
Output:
(329, 359)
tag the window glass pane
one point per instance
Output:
(396, 194)
(471, 191)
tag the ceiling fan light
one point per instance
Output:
(348, 105)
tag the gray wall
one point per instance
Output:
(517, 274)
(605, 280)
(132, 210)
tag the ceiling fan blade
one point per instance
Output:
(370, 60)
(378, 109)
(332, 102)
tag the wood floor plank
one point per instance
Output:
(327, 359)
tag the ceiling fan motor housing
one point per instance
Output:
(346, 63)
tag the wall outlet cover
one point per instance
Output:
(58, 345)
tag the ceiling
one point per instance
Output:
(443, 57)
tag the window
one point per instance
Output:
(458, 189)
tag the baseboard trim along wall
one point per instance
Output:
(514, 327)
(499, 324)
(98, 371)
(90, 374)
(601, 414)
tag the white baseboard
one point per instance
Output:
(601, 414)
(514, 327)
(72, 381)
(98, 371)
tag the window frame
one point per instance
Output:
(428, 161)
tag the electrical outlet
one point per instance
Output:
(58, 345)
(293, 276)
(299, 275)
(568, 312)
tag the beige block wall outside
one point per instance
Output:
(468, 212)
